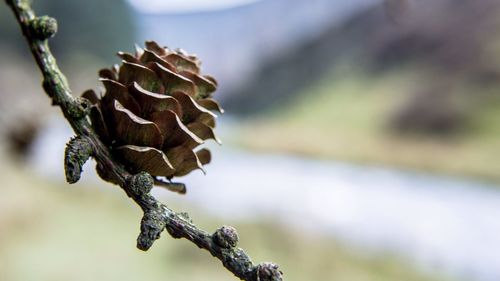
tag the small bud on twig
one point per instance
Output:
(43, 27)
(268, 271)
(152, 224)
(141, 183)
(78, 151)
(226, 237)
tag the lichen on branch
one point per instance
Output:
(78, 151)
(157, 216)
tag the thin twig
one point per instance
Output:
(157, 216)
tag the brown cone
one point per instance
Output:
(156, 110)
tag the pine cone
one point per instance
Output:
(155, 111)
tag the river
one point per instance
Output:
(437, 222)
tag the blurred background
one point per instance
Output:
(360, 141)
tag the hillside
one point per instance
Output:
(416, 90)
(235, 43)
(453, 40)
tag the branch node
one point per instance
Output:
(239, 262)
(152, 224)
(79, 109)
(226, 237)
(268, 271)
(43, 27)
(78, 151)
(141, 184)
(176, 225)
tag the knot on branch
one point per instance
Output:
(226, 237)
(43, 27)
(268, 271)
(152, 224)
(238, 262)
(141, 184)
(80, 108)
(78, 151)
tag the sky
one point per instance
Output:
(185, 6)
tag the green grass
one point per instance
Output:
(53, 231)
(345, 117)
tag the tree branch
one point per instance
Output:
(157, 216)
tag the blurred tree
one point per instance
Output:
(434, 111)
(456, 42)
(93, 27)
